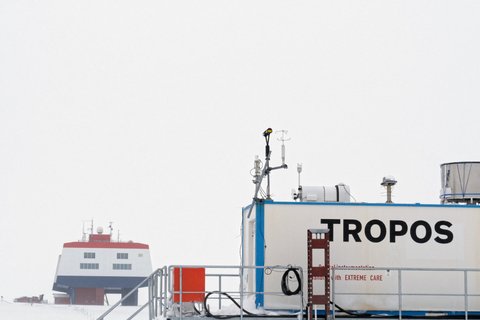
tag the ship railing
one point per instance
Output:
(408, 283)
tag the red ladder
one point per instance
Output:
(318, 239)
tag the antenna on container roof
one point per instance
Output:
(388, 182)
(283, 138)
(298, 195)
(265, 172)
(299, 171)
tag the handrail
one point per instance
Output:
(399, 291)
(138, 311)
(160, 286)
(241, 293)
(158, 271)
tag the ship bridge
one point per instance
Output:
(88, 270)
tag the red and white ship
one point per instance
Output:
(87, 270)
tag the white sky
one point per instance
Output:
(149, 114)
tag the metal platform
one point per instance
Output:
(228, 278)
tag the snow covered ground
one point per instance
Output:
(25, 311)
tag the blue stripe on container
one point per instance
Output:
(360, 204)
(259, 251)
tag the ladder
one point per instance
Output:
(317, 239)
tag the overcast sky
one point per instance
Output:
(149, 114)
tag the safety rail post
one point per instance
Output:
(150, 296)
(465, 285)
(220, 289)
(242, 270)
(154, 301)
(158, 294)
(162, 288)
(181, 293)
(333, 293)
(400, 302)
(318, 239)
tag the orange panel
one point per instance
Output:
(193, 282)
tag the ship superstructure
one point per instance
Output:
(89, 269)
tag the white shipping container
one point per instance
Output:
(369, 236)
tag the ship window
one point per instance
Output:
(122, 266)
(121, 255)
(89, 255)
(88, 265)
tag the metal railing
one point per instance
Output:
(156, 281)
(400, 293)
(161, 291)
(224, 279)
(235, 290)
